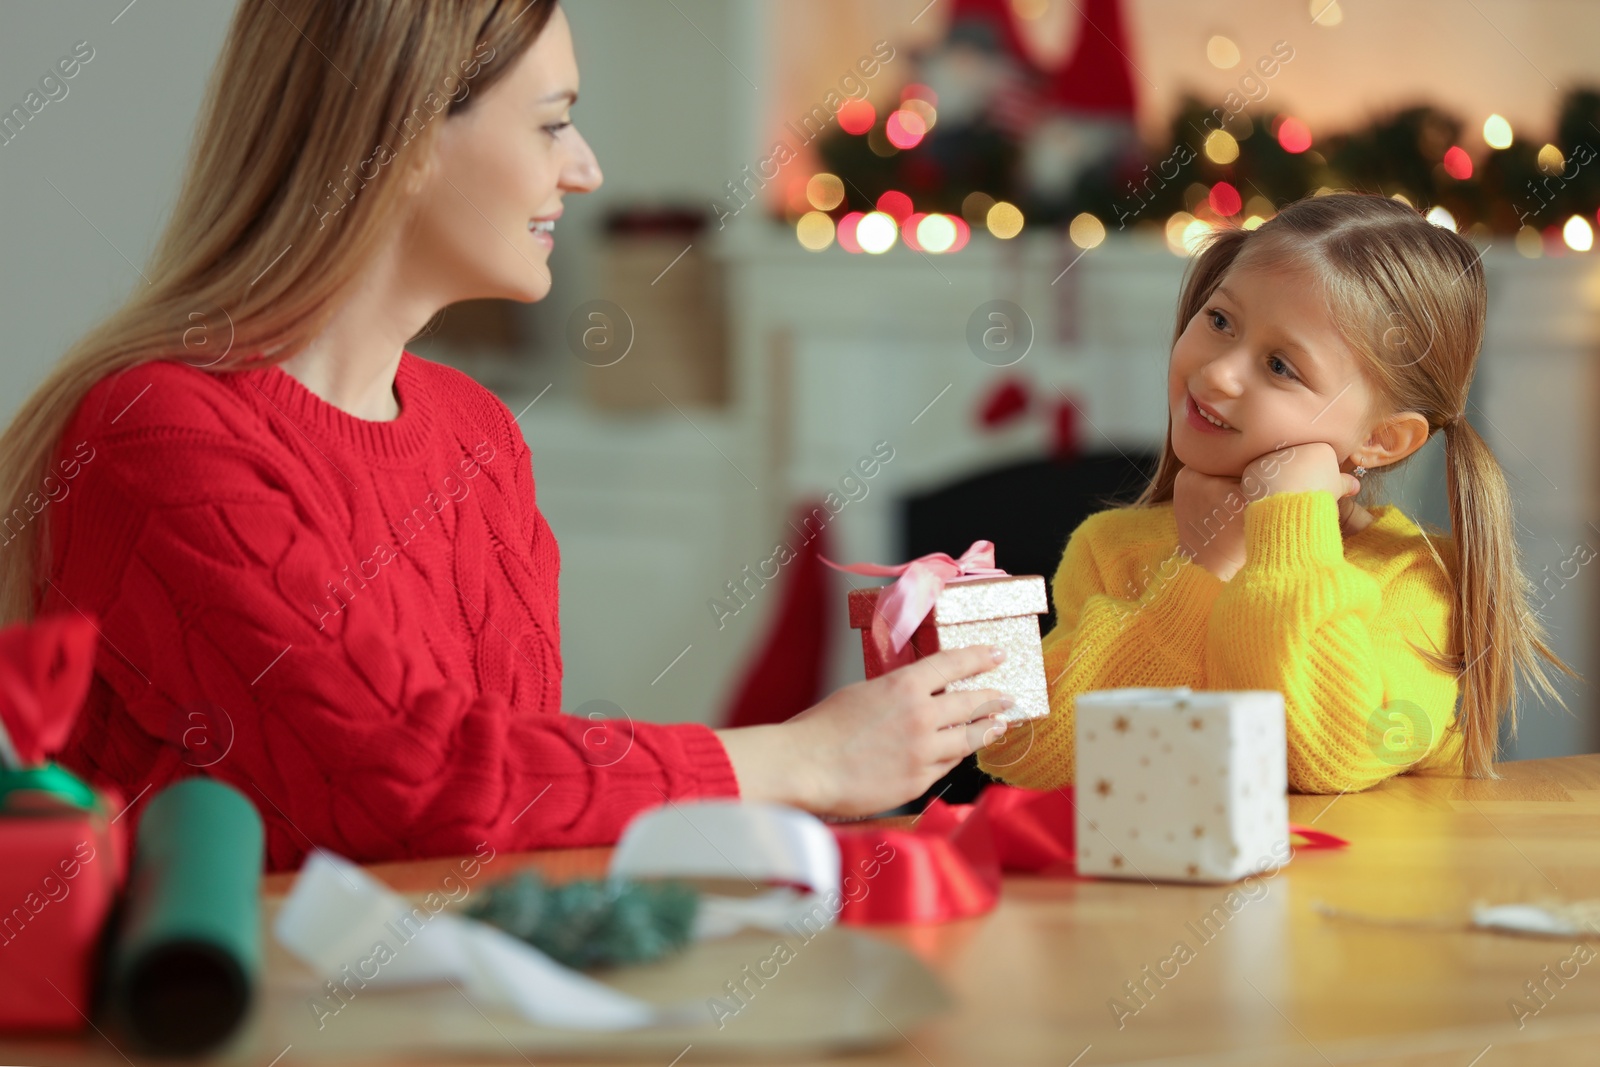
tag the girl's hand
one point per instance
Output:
(1209, 511)
(876, 744)
(1296, 469)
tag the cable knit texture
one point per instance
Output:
(1325, 619)
(353, 622)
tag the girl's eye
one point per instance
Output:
(1271, 360)
(556, 127)
(1215, 312)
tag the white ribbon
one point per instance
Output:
(340, 921)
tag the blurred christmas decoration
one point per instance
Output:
(982, 114)
(984, 137)
(588, 922)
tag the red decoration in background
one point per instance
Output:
(1065, 443)
(1007, 402)
(786, 674)
(1096, 78)
(1012, 398)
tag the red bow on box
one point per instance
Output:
(917, 586)
(45, 668)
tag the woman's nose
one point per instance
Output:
(582, 172)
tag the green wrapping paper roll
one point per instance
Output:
(185, 962)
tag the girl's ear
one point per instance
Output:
(1394, 439)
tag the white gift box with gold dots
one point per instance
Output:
(1181, 784)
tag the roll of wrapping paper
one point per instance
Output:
(185, 961)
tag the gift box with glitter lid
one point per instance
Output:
(939, 603)
(1181, 784)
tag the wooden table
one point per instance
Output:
(1271, 980)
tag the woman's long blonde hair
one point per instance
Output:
(1409, 298)
(286, 197)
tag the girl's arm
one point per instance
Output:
(1149, 632)
(1336, 641)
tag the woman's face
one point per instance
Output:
(1264, 355)
(504, 163)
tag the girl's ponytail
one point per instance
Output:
(1500, 636)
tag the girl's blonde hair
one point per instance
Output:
(314, 114)
(1409, 298)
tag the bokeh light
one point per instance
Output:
(1441, 218)
(1222, 52)
(1551, 161)
(1004, 220)
(1458, 164)
(846, 233)
(1326, 13)
(1578, 234)
(857, 117)
(815, 231)
(1174, 231)
(923, 110)
(1529, 244)
(1221, 147)
(1496, 132)
(963, 233)
(936, 233)
(876, 233)
(825, 191)
(1086, 231)
(1294, 135)
(896, 205)
(908, 231)
(905, 129)
(975, 208)
(1225, 199)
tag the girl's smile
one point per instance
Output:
(1197, 417)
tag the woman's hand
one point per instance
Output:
(876, 744)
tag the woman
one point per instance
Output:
(314, 559)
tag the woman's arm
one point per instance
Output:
(203, 574)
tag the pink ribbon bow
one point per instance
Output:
(918, 584)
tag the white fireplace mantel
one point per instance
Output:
(833, 352)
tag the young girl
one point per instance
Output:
(1334, 340)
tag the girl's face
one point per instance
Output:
(1263, 355)
(504, 163)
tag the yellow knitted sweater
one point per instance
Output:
(1326, 619)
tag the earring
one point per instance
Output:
(1359, 471)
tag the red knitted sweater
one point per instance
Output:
(353, 622)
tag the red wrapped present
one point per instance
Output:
(937, 602)
(62, 853)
